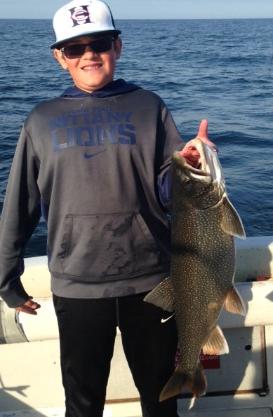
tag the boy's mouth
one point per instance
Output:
(91, 67)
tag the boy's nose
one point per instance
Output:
(88, 49)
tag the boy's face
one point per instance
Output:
(90, 70)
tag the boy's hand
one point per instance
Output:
(189, 152)
(28, 307)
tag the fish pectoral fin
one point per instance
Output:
(216, 343)
(162, 295)
(194, 382)
(231, 222)
(234, 302)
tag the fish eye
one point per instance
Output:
(187, 184)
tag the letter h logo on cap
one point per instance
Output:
(80, 15)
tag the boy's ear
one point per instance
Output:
(58, 55)
(118, 47)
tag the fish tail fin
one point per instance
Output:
(199, 386)
(216, 343)
(196, 383)
(234, 302)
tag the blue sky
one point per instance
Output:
(149, 9)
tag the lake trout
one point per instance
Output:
(203, 226)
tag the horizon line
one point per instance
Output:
(153, 18)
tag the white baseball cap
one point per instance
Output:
(82, 17)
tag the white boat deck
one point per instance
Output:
(43, 412)
(56, 412)
(59, 412)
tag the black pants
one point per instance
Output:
(87, 330)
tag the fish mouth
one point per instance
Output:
(196, 174)
(209, 170)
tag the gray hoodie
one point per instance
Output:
(93, 165)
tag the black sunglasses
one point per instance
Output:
(76, 50)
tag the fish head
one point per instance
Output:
(200, 187)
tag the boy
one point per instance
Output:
(95, 163)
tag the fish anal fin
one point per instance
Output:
(216, 343)
(231, 222)
(180, 381)
(162, 295)
(234, 302)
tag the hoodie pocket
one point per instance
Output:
(103, 247)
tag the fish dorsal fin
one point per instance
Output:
(231, 222)
(234, 302)
(216, 343)
(162, 295)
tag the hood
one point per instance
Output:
(114, 88)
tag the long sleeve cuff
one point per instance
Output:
(15, 295)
